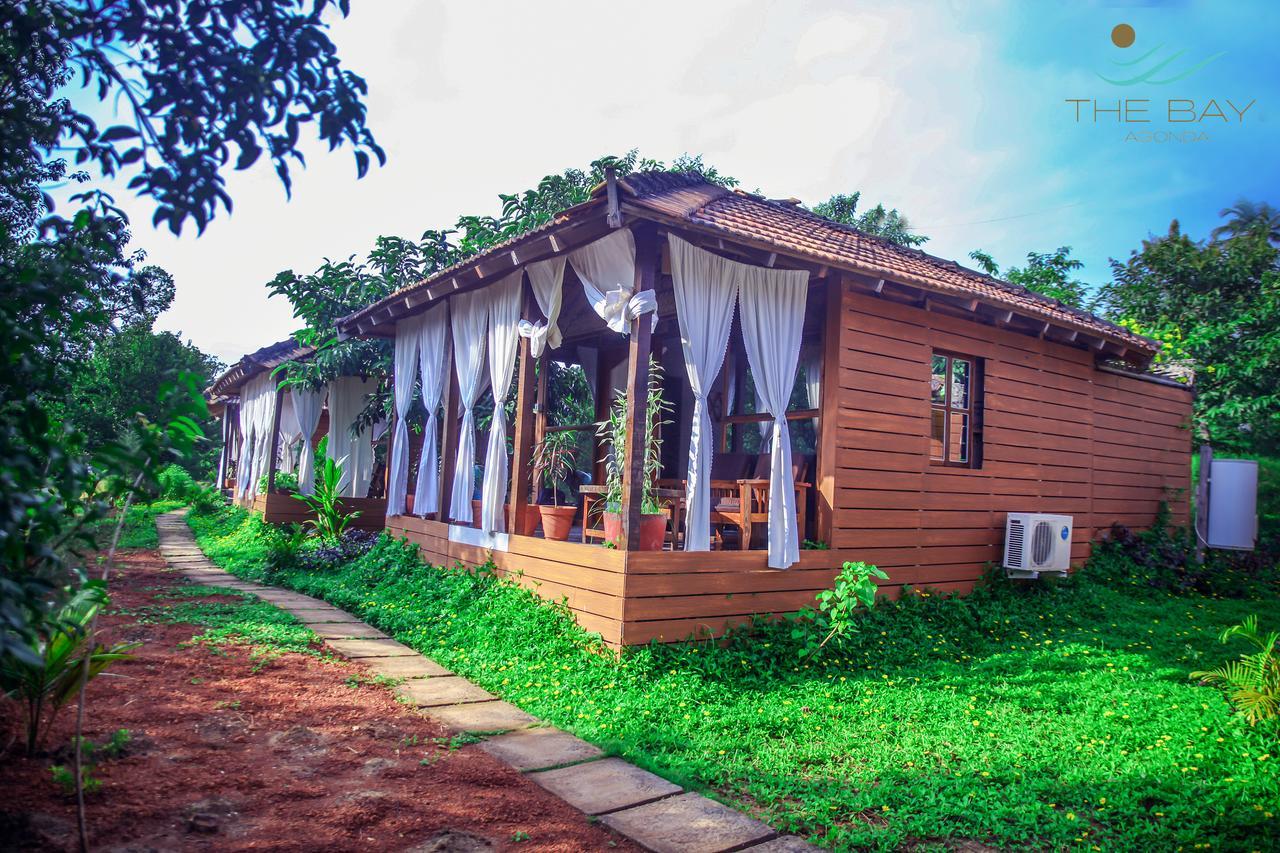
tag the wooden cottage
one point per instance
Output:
(831, 396)
(268, 428)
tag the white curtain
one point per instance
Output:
(261, 392)
(705, 289)
(468, 316)
(771, 309)
(289, 434)
(434, 373)
(307, 405)
(547, 281)
(244, 458)
(347, 397)
(405, 368)
(607, 269)
(504, 318)
(813, 380)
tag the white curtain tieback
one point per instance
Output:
(622, 305)
(537, 333)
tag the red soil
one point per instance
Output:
(286, 758)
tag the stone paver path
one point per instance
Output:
(658, 815)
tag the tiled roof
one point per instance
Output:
(795, 231)
(687, 197)
(267, 358)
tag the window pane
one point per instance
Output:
(959, 448)
(936, 435)
(959, 384)
(938, 382)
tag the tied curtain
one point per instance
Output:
(307, 405)
(546, 279)
(468, 316)
(433, 370)
(771, 310)
(404, 368)
(607, 269)
(261, 392)
(347, 397)
(705, 290)
(290, 432)
(772, 320)
(244, 449)
(504, 319)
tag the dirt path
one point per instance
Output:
(229, 752)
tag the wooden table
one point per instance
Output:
(672, 499)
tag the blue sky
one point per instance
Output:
(955, 113)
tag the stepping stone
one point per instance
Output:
(286, 601)
(406, 667)
(688, 823)
(184, 559)
(445, 690)
(323, 615)
(605, 786)
(345, 630)
(357, 649)
(539, 749)
(786, 844)
(496, 716)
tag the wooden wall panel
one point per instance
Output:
(1060, 436)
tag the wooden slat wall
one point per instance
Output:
(1060, 436)
(279, 508)
(588, 578)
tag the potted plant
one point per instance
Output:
(613, 433)
(553, 461)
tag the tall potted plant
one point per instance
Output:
(553, 461)
(613, 433)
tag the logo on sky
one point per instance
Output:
(1143, 118)
(1154, 67)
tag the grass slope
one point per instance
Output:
(1058, 718)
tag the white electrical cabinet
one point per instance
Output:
(1232, 505)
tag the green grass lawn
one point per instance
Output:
(139, 529)
(1054, 718)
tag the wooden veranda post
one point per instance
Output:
(275, 443)
(449, 441)
(637, 389)
(829, 409)
(522, 433)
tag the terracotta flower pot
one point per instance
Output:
(408, 505)
(653, 530)
(557, 521)
(475, 513)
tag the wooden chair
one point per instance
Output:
(726, 470)
(753, 496)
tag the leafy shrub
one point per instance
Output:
(285, 482)
(331, 520)
(176, 484)
(1252, 682)
(330, 555)
(43, 688)
(836, 616)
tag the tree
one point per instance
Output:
(337, 289)
(1047, 273)
(1215, 306)
(1247, 216)
(205, 85)
(118, 384)
(889, 224)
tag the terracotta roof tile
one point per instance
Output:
(249, 366)
(794, 230)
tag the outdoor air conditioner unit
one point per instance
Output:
(1037, 544)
